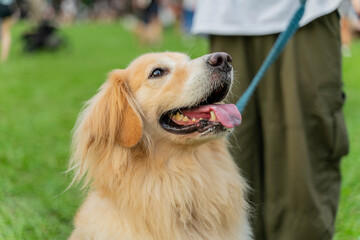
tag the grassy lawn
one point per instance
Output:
(348, 220)
(40, 97)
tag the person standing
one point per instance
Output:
(293, 133)
(348, 15)
(7, 9)
(149, 29)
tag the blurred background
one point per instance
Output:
(54, 56)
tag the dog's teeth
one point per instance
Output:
(185, 119)
(213, 116)
(179, 116)
(193, 120)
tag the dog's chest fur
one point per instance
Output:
(194, 195)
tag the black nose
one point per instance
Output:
(221, 61)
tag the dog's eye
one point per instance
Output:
(157, 72)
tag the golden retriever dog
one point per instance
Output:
(151, 148)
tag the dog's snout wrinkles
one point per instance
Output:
(221, 61)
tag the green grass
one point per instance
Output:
(348, 219)
(40, 97)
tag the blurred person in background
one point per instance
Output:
(68, 11)
(149, 29)
(293, 133)
(348, 15)
(7, 10)
(356, 4)
(188, 14)
(356, 22)
(36, 9)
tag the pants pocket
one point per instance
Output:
(341, 141)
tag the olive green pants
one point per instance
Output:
(293, 132)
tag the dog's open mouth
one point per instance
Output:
(205, 116)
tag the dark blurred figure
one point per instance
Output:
(23, 7)
(7, 10)
(43, 37)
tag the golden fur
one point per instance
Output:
(145, 183)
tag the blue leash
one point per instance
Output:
(272, 56)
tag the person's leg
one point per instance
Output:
(246, 140)
(346, 35)
(6, 24)
(304, 134)
(293, 133)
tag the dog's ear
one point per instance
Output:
(111, 118)
(114, 115)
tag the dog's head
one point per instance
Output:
(166, 96)
(160, 100)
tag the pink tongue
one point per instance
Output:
(227, 114)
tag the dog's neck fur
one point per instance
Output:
(188, 187)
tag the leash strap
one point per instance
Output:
(275, 51)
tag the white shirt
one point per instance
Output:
(6, 2)
(254, 17)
